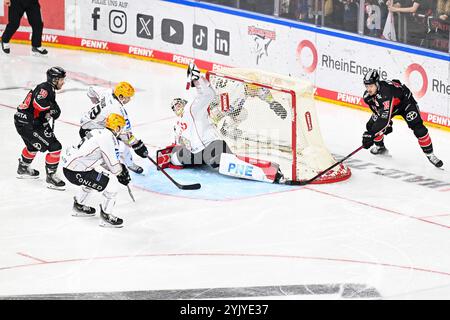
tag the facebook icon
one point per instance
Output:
(95, 16)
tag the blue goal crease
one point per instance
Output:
(214, 185)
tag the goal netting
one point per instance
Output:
(272, 117)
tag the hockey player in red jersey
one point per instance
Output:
(387, 99)
(32, 121)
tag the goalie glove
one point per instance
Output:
(193, 73)
(140, 149)
(124, 176)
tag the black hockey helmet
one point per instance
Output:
(371, 77)
(55, 73)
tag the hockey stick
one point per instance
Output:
(130, 193)
(194, 186)
(305, 182)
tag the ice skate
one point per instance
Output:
(25, 172)
(5, 47)
(379, 150)
(53, 182)
(434, 160)
(135, 168)
(39, 51)
(109, 221)
(80, 210)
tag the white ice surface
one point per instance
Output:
(373, 230)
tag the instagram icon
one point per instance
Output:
(117, 21)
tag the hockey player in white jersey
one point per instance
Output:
(197, 141)
(108, 102)
(99, 149)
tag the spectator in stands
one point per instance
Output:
(328, 13)
(417, 19)
(298, 9)
(265, 7)
(443, 10)
(350, 15)
(16, 9)
(373, 21)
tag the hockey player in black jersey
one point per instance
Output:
(387, 99)
(32, 121)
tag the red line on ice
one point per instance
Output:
(379, 208)
(214, 254)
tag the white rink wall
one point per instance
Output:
(178, 31)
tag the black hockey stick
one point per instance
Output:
(194, 186)
(305, 182)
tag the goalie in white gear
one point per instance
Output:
(197, 141)
(99, 149)
(113, 102)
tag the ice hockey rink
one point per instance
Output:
(382, 234)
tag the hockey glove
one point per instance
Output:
(124, 177)
(388, 129)
(278, 109)
(140, 149)
(367, 140)
(55, 111)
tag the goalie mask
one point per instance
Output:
(178, 105)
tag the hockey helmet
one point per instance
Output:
(178, 105)
(55, 73)
(124, 89)
(371, 77)
(115, 122)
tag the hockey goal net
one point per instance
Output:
(272, 117)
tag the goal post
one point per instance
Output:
(272, 117)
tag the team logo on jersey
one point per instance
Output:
(48, 134)
(410, 116)
(42, 94)
(182, 125)
(37, 145)
(386, 105)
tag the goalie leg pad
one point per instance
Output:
(248, 168)
(213, 152)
